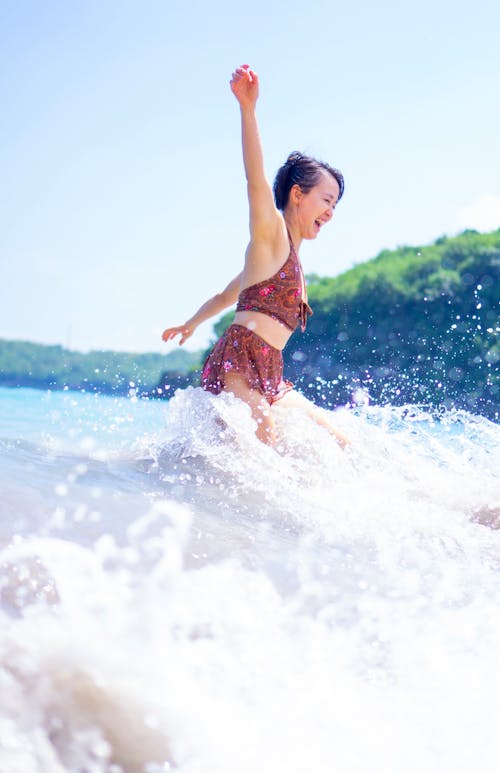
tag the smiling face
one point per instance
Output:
(312, 210)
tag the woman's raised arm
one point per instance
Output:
(264, 216)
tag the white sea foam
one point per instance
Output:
(178, 596)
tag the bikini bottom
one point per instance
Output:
(240, 350)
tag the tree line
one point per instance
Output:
(27, 364)
(416, 324)
(412, 325)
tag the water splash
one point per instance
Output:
(236, 607)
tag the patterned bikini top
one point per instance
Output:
(283, 296)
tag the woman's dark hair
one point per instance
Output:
(303, 171)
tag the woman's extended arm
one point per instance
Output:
(209, 309)
(263, 213)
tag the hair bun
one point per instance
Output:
(294, 158)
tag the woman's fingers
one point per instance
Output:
(244, 71)
(170, 333)
(180, 330)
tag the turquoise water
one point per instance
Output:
(176, 596)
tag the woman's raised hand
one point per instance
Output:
(245, 85)
(184, 331)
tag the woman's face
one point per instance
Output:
(315, 208)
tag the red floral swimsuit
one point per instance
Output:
(242, 351)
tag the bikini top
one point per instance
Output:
(283, 296)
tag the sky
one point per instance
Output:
(122, 195)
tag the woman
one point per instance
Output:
(270, 291)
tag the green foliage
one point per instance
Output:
(416, 324)
(181, 361)
(413, 324)
(27, 364)
(223, 323)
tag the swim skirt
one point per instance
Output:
(240, 350)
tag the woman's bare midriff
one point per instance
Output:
(273, 332)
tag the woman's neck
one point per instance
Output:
(293, 230)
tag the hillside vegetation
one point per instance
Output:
(412, 325)
(416, 324)
(51, 367)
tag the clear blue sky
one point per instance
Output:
(122, 197)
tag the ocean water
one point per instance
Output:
(176, 596)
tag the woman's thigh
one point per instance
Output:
(261, 410)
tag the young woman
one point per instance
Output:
(270, 292)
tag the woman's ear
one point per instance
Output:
(295, 194)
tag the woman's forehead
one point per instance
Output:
(328, 184)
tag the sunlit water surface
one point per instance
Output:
(176, 596)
